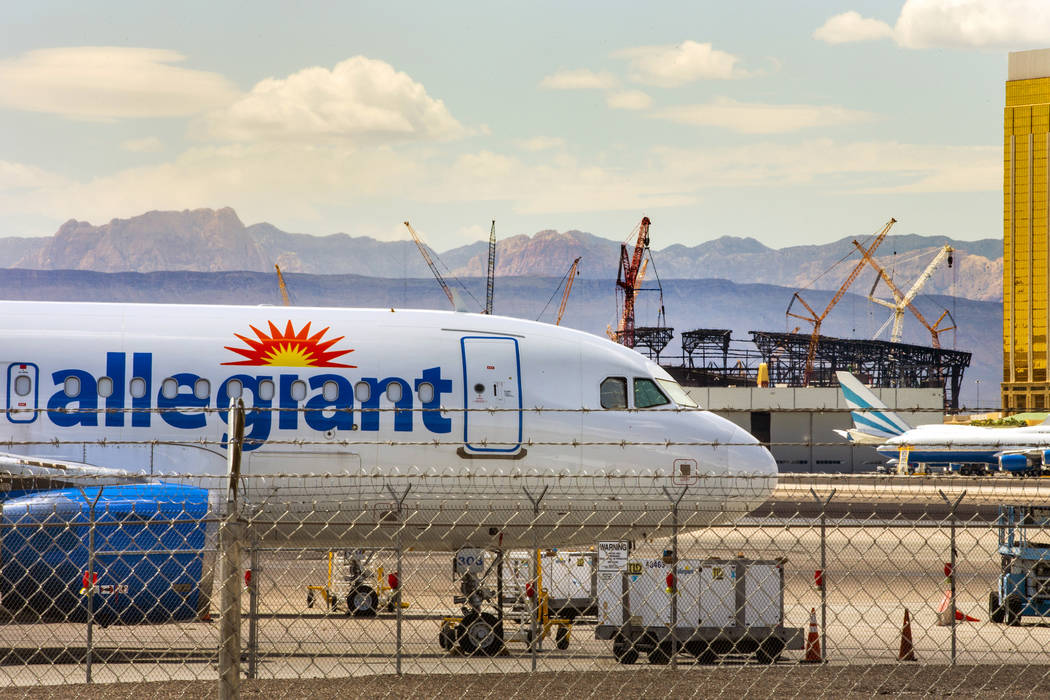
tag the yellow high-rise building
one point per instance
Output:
(1026, 266)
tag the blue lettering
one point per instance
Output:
(402, 417)
(172, 416)
(288, 418)
(432, 418)
(340, 410)
(142, 366)
(86, 401)
(258, 418)
(115, 363)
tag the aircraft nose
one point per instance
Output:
(748, 457)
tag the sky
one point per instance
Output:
(790, 122)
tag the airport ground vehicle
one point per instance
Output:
(568, 578)
(1024, 585)
(724, 607)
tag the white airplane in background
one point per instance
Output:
(1014, 450)
(446, 402)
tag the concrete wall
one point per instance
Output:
(802, 421)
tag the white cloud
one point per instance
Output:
(1003, 24)
(757, 118)
(850, 26)
(579, 79)
(628, 99)
(149, 144)
(108, 82)
(899, 167)
(671, 66)
(541, 143)
(359, 98)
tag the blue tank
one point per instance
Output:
(151, 542)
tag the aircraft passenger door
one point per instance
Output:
(22, 392)
(492, 422)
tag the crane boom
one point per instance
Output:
(430, 263)
(627, 280)
(818, 319)
(282, 286)
(568, 288)
(490, 279)
(903, 301)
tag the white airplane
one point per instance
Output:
(1014, 450)
(473, 414)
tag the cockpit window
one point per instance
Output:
(677, 393)
(614, 393)
(647, 394)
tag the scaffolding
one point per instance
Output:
(711, 358)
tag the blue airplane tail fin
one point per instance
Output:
(870, 415)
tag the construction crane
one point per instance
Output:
(490, 279)
(903, 301)
(282, 286)
(568, 288)
(430, 263)
(817, 319)
(627, 280)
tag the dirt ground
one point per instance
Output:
(898, 680)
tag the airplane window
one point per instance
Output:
(426, 392)
(265, 391)
(330, 391)
(105, 387)
(137, 387)
(677, 393)
(72, 387)
(234, 388)
(363, 391)
(614, 392)
(202, 388)
(298, 390)
(647, 394)
(393, 392)
(169, 388)
(23, 385)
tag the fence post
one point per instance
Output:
(823, 503)
(534, 641)
(952, 505)
(397, 594)
(674, 571)
(253, 613)
(89, 584)
(230, 564)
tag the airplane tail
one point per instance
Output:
(872, 419)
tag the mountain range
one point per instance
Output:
(213, 240)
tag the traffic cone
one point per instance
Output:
(813, 655)
(944, 612)
(907, 652)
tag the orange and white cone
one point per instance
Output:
(944, 612)
(813, 655)
(907, 652)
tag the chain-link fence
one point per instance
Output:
(390, 575)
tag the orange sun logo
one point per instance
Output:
(288, 349)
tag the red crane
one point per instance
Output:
(627, 280)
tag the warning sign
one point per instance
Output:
(612, 556)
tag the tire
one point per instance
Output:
(480, 635)
(561, 638)
(624, 650)
(769, 650)
(703, 652)
(1014, 605)
(309, 598)
(660, 655)
(996, 611)
(446, 639)
(362, 602)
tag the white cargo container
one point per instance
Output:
(568, 578)
(724, 606)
